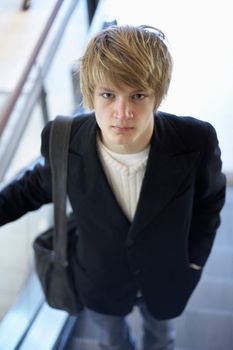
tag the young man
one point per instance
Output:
(146, 189)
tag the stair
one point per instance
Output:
(205, 329)
(207, 323)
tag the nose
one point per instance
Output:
(123, 110)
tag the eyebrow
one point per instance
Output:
(113, 91)
(105, 89)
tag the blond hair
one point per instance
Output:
(135, 56)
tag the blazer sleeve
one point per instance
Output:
(208, 201)
(31, 190)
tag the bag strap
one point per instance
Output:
(59, 145)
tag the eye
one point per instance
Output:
(107, 95)
(138, 97)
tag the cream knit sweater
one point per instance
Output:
(125, 173)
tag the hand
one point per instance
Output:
(195, 266)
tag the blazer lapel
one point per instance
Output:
(168, 165)
(94, 186)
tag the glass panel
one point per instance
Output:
(59, 83)
(16, 238)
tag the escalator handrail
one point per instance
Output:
(5, 115)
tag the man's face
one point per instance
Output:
(125, 117)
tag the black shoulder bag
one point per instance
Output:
(53, 248)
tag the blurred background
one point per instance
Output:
(40, 42)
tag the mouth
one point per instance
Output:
(119, 128)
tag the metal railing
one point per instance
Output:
(29, 88)
(11, 103)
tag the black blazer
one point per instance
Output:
(176, 219)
